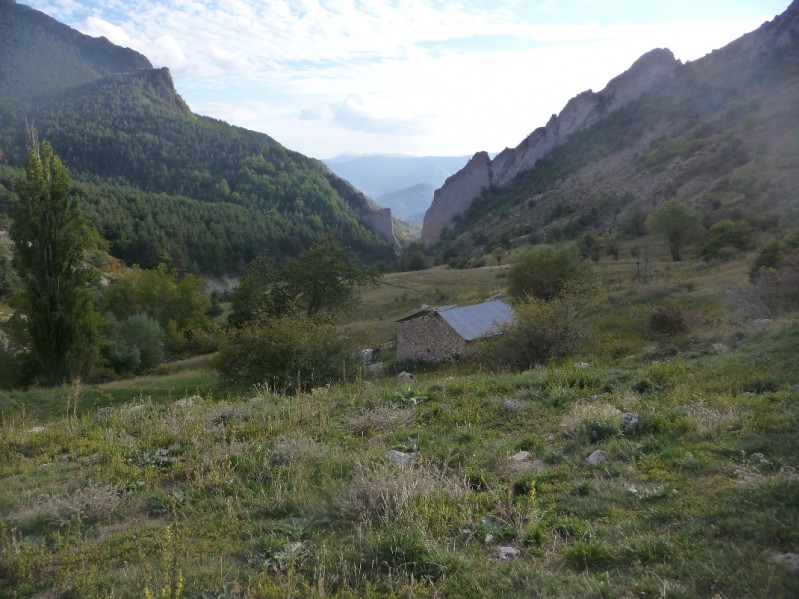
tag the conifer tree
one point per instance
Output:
(50, 237)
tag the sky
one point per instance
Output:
(416, 77)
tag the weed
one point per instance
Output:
(588, 555)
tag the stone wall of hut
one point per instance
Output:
(428, 338)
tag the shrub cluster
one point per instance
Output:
(544, 272)
(288, 353)
(667, 320)
(541, 331)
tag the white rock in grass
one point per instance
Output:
(629, 421)
(582, 366)
(521, 456)
(507, 552)
(789, 560)
(187, 401)
(399, 458)
(37, 429)
(406, 377)
(598, 457)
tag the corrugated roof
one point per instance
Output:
(471, 322)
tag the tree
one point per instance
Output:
(323, 280)
(50, 237)
(678, 224)
(589, 246)
(499, 253)
(174, 302)
(726, 236)
(544, 271)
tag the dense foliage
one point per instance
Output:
(174, 302)
(542, 330)
(288, 353)
(322, 282)
(283, 330)
(678, 224)
(55, 302)
(544, 271)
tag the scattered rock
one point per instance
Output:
(629, 422)
(187, 401)
(504, 553)
(375, 368)
(103, 412)
(582, 366)
(406, 377)
(521, 456)
(399, 458)
(37, 429)
(510, 406)
(789, 560)
(598, 457)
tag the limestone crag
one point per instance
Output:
(370, 214)
(582, 111)
(456, 195)
(381, 222)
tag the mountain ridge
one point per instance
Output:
(699, 92)
(115, 120)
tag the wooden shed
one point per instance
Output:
(435, 334)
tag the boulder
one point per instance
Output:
(399, 458)
(629, 422)
(406, 377)
(504, 552)
(598, 457)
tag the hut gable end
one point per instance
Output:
(436, 334)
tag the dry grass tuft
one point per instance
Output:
(90, 504)
(387, 496)
(584, 412)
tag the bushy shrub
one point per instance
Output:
(542, 330)
(667, 320)
(135, 345)
(725, 235)
(545, 271)
(289, 353)
(775, 273)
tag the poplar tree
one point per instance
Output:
(50, 237)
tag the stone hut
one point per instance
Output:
(435, 334)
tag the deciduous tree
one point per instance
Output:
(678, 224)
(50, 237)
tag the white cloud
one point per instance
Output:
(414, 76)
(97, 27)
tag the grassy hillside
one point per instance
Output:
(469, 484)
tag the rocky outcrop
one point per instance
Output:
(374, 217)
(382, 223)
(582, 111)
(456, 195)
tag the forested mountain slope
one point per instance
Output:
(158, 178)
(720, 133)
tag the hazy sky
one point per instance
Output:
(421, 77)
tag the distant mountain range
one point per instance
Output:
(403, 183)
(720, 133)
(159, 181)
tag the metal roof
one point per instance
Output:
(479, 320)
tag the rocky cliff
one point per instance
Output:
(585, 109)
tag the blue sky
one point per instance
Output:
(420, 77)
